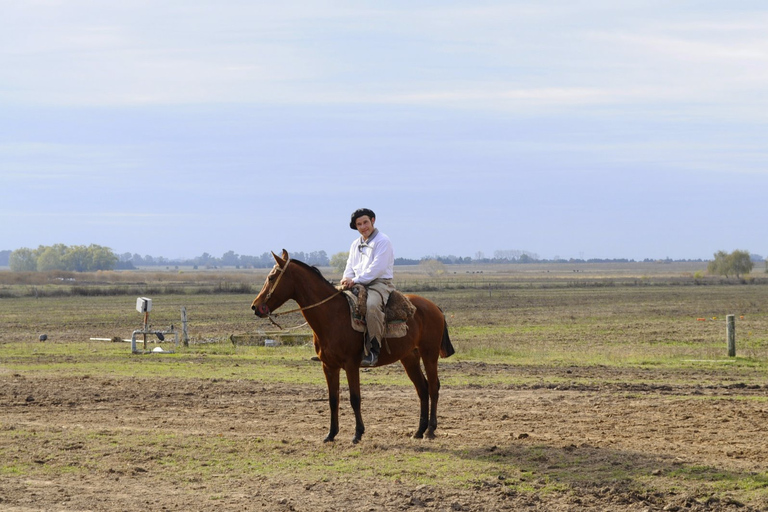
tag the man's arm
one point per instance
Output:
(347, 280)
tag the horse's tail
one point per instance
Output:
(446, 348)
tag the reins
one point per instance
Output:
(274, 286)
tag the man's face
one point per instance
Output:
(364, 225)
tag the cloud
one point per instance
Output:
(489, 55)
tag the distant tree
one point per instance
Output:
(319, 258)
(78, 259)
(719, 265)
(124, 265)
(509, 254)
(205, 259)
(737, 263)
(741, 263)
(4, 258)
(515, 255)
(23, 260)
(230, 259)
(250, 261)
(265, 260)
(51, 257)
(432, 267)
(339, 261)
(453, 260)
(102, 258)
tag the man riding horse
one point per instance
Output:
(370, 263)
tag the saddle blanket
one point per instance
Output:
(398, 310)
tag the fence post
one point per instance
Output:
(730, 330)
(184, 335)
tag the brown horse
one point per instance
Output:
(339, 346)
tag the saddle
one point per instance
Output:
(397, 311)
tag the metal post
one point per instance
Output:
(184, 335)
(146, 322)
(730, 330)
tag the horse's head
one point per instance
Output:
(276, 289)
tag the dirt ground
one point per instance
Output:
(626, 441)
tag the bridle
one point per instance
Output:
(279, 277)
(274, 286)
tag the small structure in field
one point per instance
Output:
(144, 305)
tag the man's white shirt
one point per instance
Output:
(374, 259)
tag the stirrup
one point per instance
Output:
(370, 360)
(373, 355)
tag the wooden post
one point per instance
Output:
(184, 335)
(730, 330)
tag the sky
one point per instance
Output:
(570, 129)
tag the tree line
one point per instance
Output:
(80, 258)
(76, 258)
(228, 259)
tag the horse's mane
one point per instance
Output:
(313, 269)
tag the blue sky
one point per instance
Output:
(593, 129)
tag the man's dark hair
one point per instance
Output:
(360, 212)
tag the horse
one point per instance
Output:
(339, 346)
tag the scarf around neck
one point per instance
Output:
(365, 243)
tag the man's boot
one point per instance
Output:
(373, 355)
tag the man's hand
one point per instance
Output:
(347, 283)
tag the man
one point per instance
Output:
(371, 262)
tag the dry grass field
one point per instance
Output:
(604, 389)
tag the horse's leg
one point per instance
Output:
(413, 369)
(430, 366)
(332, 379)
(353, 379)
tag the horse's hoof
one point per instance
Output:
(418, 435)
(430, 434)
(328, 439)
(355, 440)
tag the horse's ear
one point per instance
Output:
(279, 262)
(285, 255)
